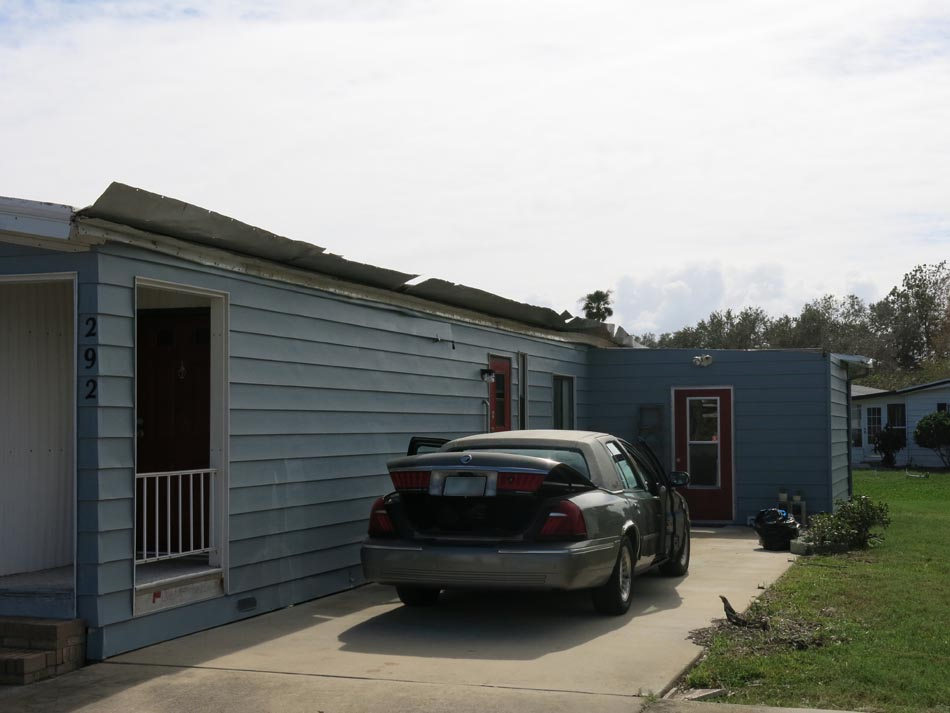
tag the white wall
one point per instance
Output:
(920, 404)
(36, 425)
(917, 405)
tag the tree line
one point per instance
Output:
(907, 333)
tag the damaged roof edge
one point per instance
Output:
(142, 210)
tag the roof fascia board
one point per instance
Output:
(34, 219)
(39, 225)
(98, 229)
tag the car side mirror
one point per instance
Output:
(679, 478)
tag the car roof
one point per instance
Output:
(545, 437)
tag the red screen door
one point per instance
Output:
(499, 394)
(702, 421)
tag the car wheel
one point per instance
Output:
(678, 564)
(614, 597)
(418, 596)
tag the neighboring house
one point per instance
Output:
(198, 413)
(874, 409)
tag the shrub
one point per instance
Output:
(933, 432)
(888, 442)
(849, 527)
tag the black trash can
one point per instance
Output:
(776, 528)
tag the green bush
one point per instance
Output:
(849, 527)
(933, 432)
(888, 442)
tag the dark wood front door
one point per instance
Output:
(703, 447)
(173, 390)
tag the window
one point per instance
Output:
(874, 422)
(563, 402)
(856, 439)
(703, 418)
(941, 408)
(499, 394)
(522, 390)
(897, 419)
(631, 479)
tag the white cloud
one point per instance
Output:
(540, 150)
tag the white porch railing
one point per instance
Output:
(174, 514)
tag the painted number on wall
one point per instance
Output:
(89, 358)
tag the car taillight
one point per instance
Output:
(565, 521)
(410, 479)
(380, 524)
(521, 482)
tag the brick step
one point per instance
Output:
(40, 631)
(19, 666)
(32, 649)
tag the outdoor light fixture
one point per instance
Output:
(704, 360)
(488, 376)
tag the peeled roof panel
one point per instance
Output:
(589, 326)
(481, 301)
(157, 214)
(151, 212)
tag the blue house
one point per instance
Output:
(198, 412)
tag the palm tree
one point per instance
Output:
(597, 305)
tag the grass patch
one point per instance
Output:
(868, 630)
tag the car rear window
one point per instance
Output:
(562, 455)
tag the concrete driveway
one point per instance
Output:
(472, 651)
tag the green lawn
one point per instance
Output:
(876, 622)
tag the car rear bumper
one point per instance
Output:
(575, 565)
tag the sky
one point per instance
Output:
(689, 156)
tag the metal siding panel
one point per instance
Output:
(261, 523)
(299, 422)
(299, 470)
(323, 390)
(296, 567)
(278, 373)
(275, 497)
(296, 542)
(105, 578)
(36, 426)
(261, 397)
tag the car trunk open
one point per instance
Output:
(478, 495)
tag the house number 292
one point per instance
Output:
(89, 359)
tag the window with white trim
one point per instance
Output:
(874, 422)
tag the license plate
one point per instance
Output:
(464, 486)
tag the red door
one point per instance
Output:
(702, 424)
(499, 394)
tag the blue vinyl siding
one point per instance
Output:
(780, 413)
(839, 433)
(323, 391)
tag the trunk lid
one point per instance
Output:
(478, 495)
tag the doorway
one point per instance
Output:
(703, 446)
(180, 443)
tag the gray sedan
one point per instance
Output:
(528, 510)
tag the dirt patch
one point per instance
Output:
(768, 633)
